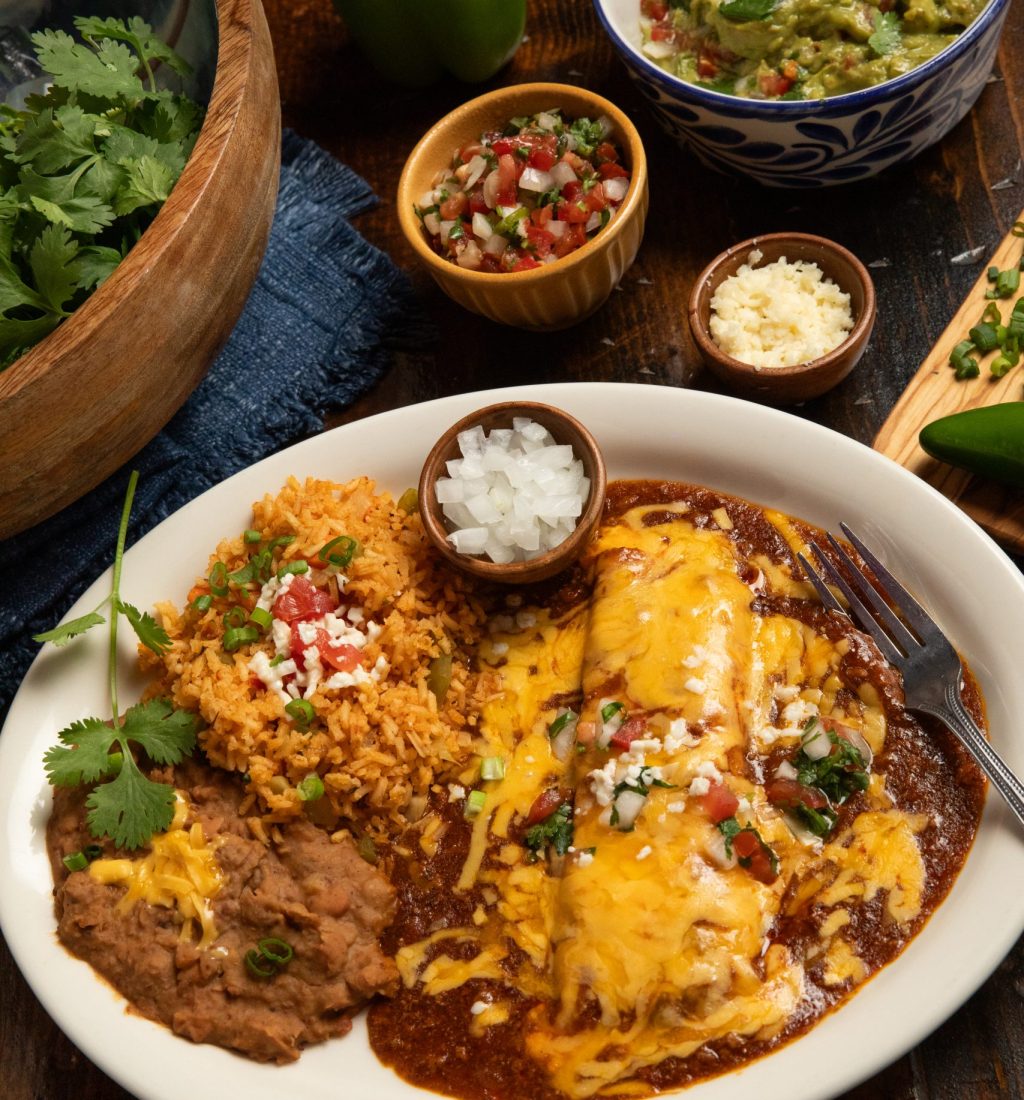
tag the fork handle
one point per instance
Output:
(957, 718)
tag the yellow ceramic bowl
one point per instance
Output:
(558, 294)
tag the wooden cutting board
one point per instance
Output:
(934, 392)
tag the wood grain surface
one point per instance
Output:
(934, 391)
(81, 403)
(906, 226)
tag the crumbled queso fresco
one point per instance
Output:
(779, 315)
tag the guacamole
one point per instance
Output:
(798, 49)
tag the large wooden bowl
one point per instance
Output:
(82, 402)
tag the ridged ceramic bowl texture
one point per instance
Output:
(83, 401)
(786, 385)
(565, 429)
(558, 294)
(817, 143)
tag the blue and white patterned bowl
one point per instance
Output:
(814, 143)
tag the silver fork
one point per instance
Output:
(913, 643)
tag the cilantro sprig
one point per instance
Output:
(124, 805)
(84, 170)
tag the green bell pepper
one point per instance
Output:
(414, 42)
(987, 441)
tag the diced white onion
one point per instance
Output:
(615, 189)
(495, 245)
(490, 191)
(561, 173)
(477, 167)
(482, 227)
(556, 228)
(659, 50)
(518, 484)
(533, 179)
(593, 222)
(426, 199)
(445, 228)
(470, 256)
(563, 741)
(785, 770)
(816, 743)
(628, 804)
(432, 224)
(606, 125)
(547, 121)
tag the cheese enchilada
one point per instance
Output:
(714, 820)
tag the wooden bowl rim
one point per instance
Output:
(437, 140)
(716, 271)
(555, 560)
(235, 48)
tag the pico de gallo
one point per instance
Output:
(797, 49)
(525, 195)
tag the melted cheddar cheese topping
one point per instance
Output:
(179, 871)
(653, 940)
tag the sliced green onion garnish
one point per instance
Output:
(92, 851)
(76, 861)
(367, 849)
(301, 711)
(277, 659)
(276, 950)
(475, 803)
(219, 579)
(340, 551)
(409, 501)
(261, 617)
(239, 636)
(984, 336)
(114, 763)
(508, 224)
(492, 767)
(251, 535)
(300, 566)
(561, 722)
(234, 617)
(203, 602)
(311, 788)
(259, 966)
(610, 709)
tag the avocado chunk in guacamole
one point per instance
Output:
(798, 49)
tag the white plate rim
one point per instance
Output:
(769, 456)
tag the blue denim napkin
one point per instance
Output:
(326, 313)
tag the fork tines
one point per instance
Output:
(889, 631)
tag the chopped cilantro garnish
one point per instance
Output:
(588, 136)
(555, 829)
(839, 775)
(886, 38)
(746, 11)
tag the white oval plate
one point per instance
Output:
(646, 431)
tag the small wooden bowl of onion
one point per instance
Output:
(513, 492)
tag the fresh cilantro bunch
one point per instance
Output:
(84, 170)
(126, 806)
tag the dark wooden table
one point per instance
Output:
(907, 225)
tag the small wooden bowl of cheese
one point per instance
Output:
(783, 317)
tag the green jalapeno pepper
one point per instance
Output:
(987, 441)
(414, 42)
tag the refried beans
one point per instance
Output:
(320, 897)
